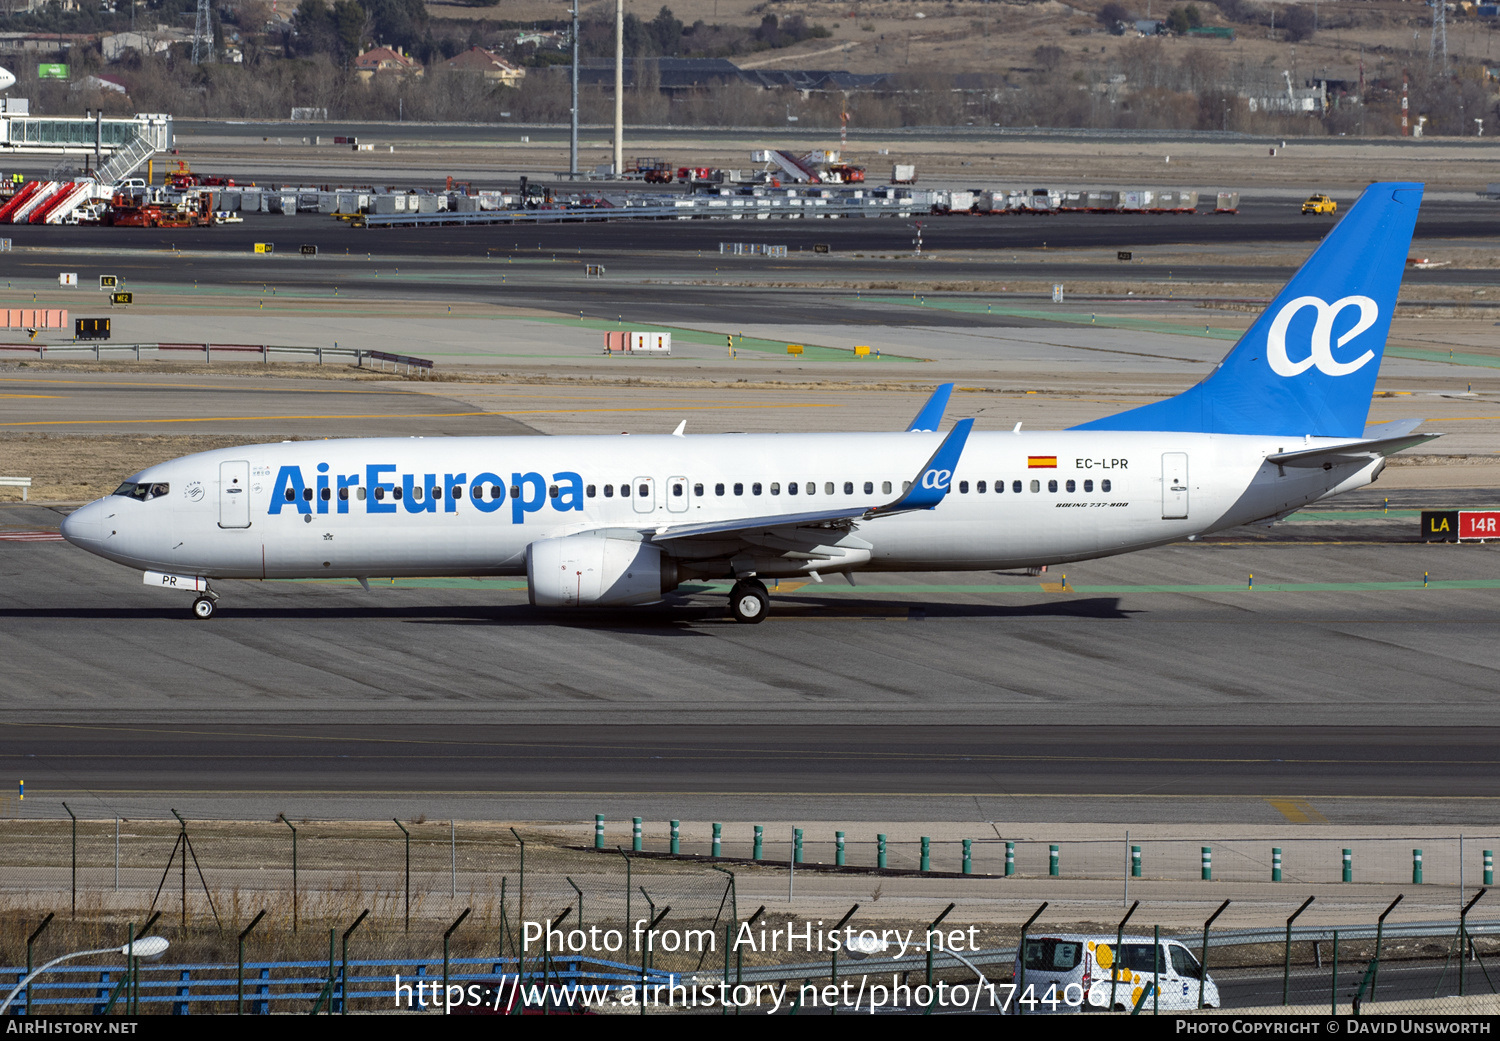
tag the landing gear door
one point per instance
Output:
(643, 496)
(1174, 485)
(234, 494)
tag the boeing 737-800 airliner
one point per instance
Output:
(615, 521)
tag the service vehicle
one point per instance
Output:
(1319, 204)
(1071, 972)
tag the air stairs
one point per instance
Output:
(49, 202)
(127, 160)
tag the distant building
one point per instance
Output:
(488, 64)
(116, 45)
(385, 61)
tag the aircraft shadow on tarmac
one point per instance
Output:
(670, 617)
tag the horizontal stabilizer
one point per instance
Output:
(1391, 428)
(1354, 452)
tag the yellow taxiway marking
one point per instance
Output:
(402, 415)
(1298, 811)
(32, 395)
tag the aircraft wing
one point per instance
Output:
(1355, 451)
(928, 489)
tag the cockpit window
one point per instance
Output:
(143, 492)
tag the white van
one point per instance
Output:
(1087, 970)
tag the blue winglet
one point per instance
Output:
(932, 481)
(931, 416)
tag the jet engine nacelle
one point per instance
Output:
(595, 571)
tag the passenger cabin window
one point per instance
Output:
(718, 489)
(755, 488)
(644, 491)
(1015, 486)
(1088, 486)
(775, 488)
(609, 491)
(1052, 486)
(1104, 485)
(979, 487)
(963, 487)
(359, 493)
(812, 488)
(739, 489)
(869, 487)
(589, 491)
(1036, 486)
(697, 489)
(344, 494)
(552, 491)
(828, 488)
(791, 488)
(848, 487)
(885, 487)
(1071, 486)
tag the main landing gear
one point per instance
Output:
(205, 606)
(748, 601)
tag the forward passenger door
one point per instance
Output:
(234, 494)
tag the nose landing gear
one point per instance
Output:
(749, 602)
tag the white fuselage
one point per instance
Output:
(226, 514)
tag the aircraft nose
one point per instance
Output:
(84, 525)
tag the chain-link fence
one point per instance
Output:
(292, 915)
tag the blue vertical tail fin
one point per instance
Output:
(1308, 364)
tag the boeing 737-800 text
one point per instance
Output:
(616, 521)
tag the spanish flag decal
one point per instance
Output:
(1041, 462)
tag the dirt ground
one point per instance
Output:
(999, 37)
